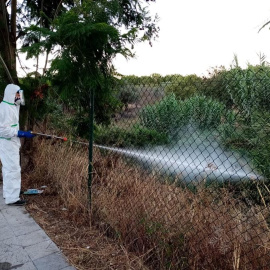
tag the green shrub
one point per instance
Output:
(137, 136)
(170, 114)
(164, 116)
(204, 112)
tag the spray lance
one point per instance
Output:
(65, 139)
(49, 136)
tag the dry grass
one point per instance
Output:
(85, 247)
(167, 227)
(63, 210)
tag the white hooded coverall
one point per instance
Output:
(10, 145)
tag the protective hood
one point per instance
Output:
(10, 93)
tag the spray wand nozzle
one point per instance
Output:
(49, 136)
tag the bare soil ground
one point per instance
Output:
(85, 247)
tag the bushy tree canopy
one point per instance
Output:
(85, 39)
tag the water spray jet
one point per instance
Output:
(226, 167)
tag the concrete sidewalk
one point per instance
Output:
(23, 244)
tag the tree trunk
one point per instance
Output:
(8, 39)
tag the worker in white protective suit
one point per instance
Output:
(10, 143)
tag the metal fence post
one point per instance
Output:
(91, 138)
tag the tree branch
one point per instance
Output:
(6, 69)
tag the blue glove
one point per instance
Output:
(26, 134)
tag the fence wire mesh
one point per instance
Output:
(181, 173)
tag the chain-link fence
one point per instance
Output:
(181, 173)
(180, 170)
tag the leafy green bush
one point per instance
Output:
(170, 114)
(204, 112)
(136, 137)
(165, 116)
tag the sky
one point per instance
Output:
(197, 35)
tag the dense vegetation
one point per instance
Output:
(232, 103)
(85, 37)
